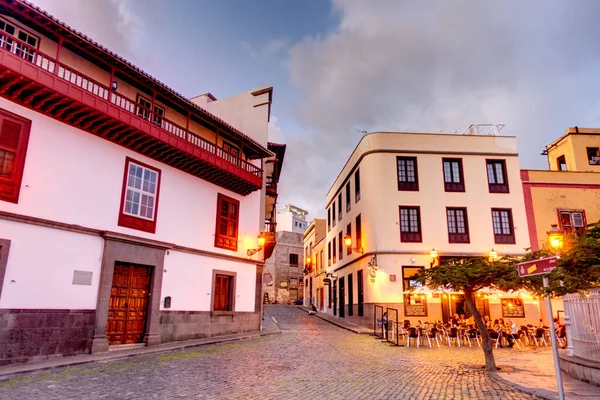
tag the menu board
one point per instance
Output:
(415, 305)
(512, 308)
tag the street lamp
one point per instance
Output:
(348, 243)
(556, 237)
(492, 255)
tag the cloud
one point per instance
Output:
(118, 25)
(442, 65)
(276, 134)
(272, 49)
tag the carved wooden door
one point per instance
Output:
(128, 304)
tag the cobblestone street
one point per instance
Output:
(311, 359)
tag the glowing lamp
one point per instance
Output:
(433, 253)
(348, 241)
(493, 255)
(261, 244)
(556, 237)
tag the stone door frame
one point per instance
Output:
(125, 249)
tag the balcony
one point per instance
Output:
(37, 81)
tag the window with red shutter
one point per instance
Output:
(139, 198)
(14, 137)
(226, 235)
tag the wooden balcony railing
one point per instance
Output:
(11, 44)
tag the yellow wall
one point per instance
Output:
(571, 190)
(574, 147)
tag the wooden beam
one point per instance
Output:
(8, 84)
(20, 90)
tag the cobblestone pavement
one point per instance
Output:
(312, 359)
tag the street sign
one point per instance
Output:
(537, 267)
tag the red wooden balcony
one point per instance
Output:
(39, 82)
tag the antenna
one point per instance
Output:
(364, 132)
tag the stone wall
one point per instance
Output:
(188, 325)
(280, 271)
(34, 335)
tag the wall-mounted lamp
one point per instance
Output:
(492, 255)
(433, 253)
(261, 244)
(348, 243)
(114, 85)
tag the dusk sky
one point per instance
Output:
(339, 67)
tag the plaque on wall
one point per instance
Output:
(415, 305)
(392, 278)
(513, 308)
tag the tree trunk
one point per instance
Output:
(486, 340)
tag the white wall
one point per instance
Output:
(40, 268)
(380, 197)
(188, 278)
(75, 177)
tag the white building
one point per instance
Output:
(128, 214)
(401, 195)
(291, 219)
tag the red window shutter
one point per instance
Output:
(14, 137)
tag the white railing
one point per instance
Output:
(584, 314)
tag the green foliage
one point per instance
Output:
(578, 270)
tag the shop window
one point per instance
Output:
(513, 308)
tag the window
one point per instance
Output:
(504, 231)
(145, 111)
(14, 137)
(223, 292)
(561, 163)
(453, 175)
(349, 233)
(139, 199)
(228, 210)
(410, 224)
(293, 260)
(497, 181)
(408, 275)
(458, 227)
(328, 219)
(593, 154)
(340, 206)
(334, 248)
(231, 153)
(358, 243)
(348, 197)
(408, 178)
(572, 221)
(333, 214)
(357, 186)
(329, 253)
(317, 264)
(27, 50)
(341, 245)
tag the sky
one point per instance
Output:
(341, 67)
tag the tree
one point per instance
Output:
(578, 270)
(468, 275)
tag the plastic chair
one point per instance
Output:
(413, 333)
(453, 335)
(432, 334)
(540, 337)
(473, 334)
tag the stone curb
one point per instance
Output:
(539, 393)
(8, 372)
(333, 322)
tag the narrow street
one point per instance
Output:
(311, 359)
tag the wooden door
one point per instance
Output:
(342, 301)
(128, 304)
(361, 295)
